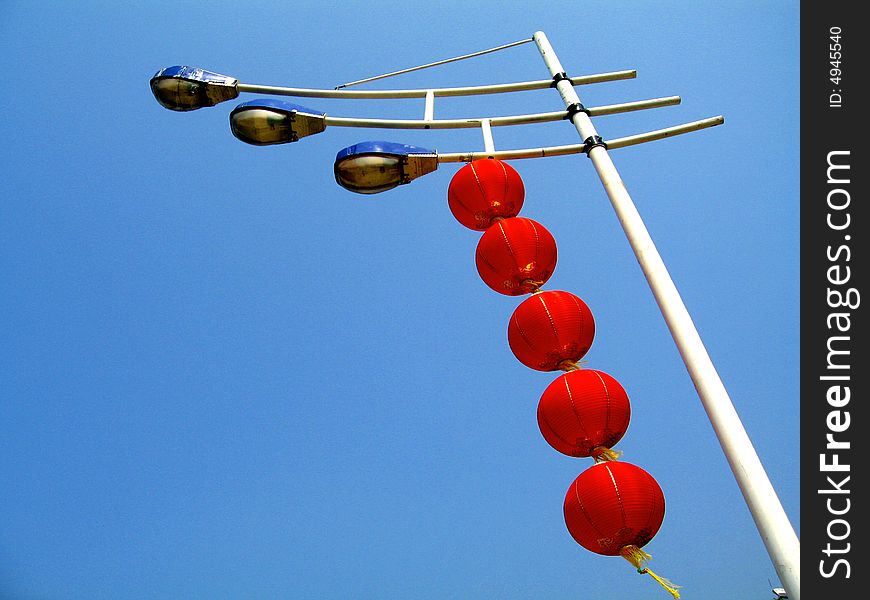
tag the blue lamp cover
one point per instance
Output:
(278, 105)
(392, 148)
(194, 74)
(189, 88)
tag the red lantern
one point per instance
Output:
(614, 505)
(483, 191)
(584, 413)
(516, 256)
(614, 509)
(551, 330)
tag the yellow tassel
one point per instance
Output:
(570, 365)
(639, 558)
(532, 286)
(635, 556)
(664, 583)
(603, 454)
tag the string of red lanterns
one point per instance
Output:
(612, 508)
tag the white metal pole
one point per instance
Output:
(429, 110)
(498, 88)
(640, 138)
(488, 143)
(770, 518)
(430, 122)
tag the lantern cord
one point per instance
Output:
(570, 365)
(532, 285)
(639, 558)
(602, 454)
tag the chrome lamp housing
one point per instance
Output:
(269, 121)
(189, 88)
(373, 167)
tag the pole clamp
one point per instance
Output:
(573, 109)
(591, 142)
(559, 77)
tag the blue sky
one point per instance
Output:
(224, 376)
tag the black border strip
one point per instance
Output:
(834, 337)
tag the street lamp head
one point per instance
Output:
(188, 88)
(373, 167)
(267, 121)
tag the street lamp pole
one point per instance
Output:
(770, 518)
(373, 167)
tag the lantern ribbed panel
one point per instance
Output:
(484, 190)
(583, 410)
(550, 328)
(516, 256)
(612, 505)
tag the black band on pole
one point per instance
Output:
(559, 77)
(575, 108)
(591, 142)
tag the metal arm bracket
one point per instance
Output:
(591, 142)
(575, 108)
(561, 76)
